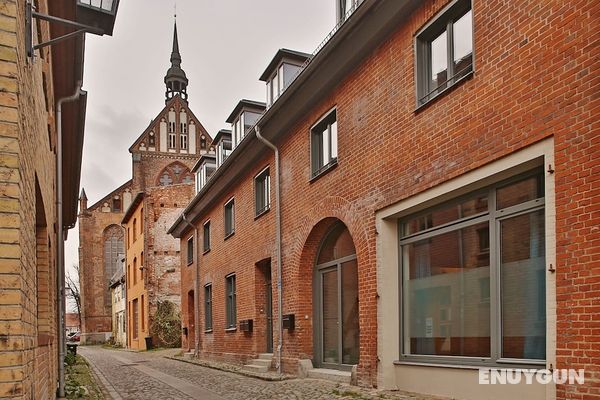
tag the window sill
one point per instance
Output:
(444, 92)
(208, 331)
(230, 330)
(323, 171)
(471, 365)
(206, 251)
(189, 263)
(229, 235)
(263, 212)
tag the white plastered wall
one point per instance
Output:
(459, 381)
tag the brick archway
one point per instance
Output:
(304, 243)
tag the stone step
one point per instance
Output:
(265, 356)
(261, 362)
(256, 368)
(330, 375)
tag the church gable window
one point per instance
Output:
(117, 204)
(113, 251)
(184, 142)
(174, 174)
(152, 139)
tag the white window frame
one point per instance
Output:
(229, 204)
(264, 176)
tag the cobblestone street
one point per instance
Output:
(149, 375)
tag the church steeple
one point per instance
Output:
(176, 80)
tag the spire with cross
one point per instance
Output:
(175, 80)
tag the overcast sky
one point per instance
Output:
(225, 46)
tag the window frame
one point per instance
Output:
(441, 22)
(206, 237)
(172, 140)
(262, 180)
(230, 302)
(190, 250)
(208, 310)
(316, 156)
(231, 231)
(183, 141)
(494, 217)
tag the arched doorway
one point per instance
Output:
(336, 301)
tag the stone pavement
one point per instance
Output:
(149, 375)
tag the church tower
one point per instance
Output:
(161, 185)
(175, 79)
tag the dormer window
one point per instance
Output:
(282, 78)
(281, 72)
(206, 172)
(242, 125)
(345, 8)
(223, 151)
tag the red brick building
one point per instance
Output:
(438, 202)
(162, 157)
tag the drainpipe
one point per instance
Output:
(60, 260)
(278, 244)
(196, 287)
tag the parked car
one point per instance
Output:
(74, 337)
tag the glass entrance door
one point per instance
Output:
(339, 336)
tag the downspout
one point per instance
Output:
(278, 245)
(196, 287)
(60, 261)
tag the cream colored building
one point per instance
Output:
(118, 294)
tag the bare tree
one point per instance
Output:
(73, 293)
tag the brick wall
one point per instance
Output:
(28, 325)
(532, 80)
(162, 207)
(96, 315)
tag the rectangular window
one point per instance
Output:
(223, 151)
(172, 140)
(473, 276)
(323, 138)
(134, 270)
(229, 218)
(230, 310)
(135, 321)
(208, 307)
(444, 51)
(190, 250)
(206, 237)
(183, 139)
(142, 319)
(262, 192)
(269, 98)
